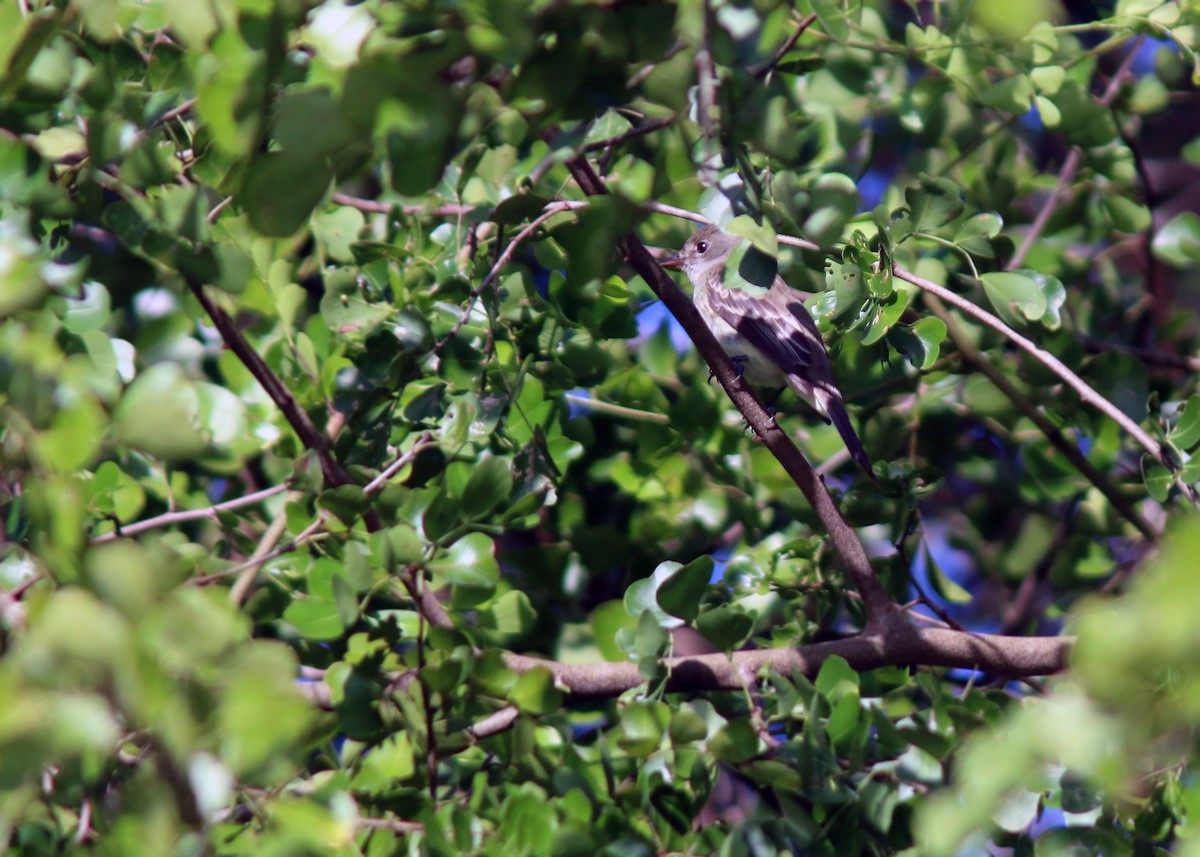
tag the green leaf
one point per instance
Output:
(338, 230)
(534, 692)
(470, 561)
(681, 592)
(513, 614)
(347, 502)
(1018, 811)
(1158, 478)
(887, 314)
(1016, 296)
(760, 236)
(942, 584)
(750, 270)
(390, 762)
(611, 124)
(642, 596)
(280, 191)
(1084, 120)
(519, 208)
(160, 414)
(737, 742)
(920, 343)
(878, 800)
(1178, 242)
(1048, 78)
(643, 725)
(89, 312)
(315, 619)
(607, 621)
(649, 642)
(1011, 95)
(687, 726)
(74, 438)
(933, 202)
(832, 16)
(1186, 433)
(845, 292)
(675, 805)
(727, 627)
(1126, 215)
(836, 678)
(1047, 110)
(490, 484)
(973, 234)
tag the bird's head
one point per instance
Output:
(707, 249)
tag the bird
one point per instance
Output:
(767, 332)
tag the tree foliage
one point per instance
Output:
(360, 498)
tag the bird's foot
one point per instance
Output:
(739, 362)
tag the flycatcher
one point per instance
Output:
(767, 332)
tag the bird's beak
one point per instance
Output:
(672, 263)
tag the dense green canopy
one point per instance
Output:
(361, 494)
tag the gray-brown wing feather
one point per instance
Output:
(779, 326)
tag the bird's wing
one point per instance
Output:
(775, 324)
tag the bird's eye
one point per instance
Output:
(701, 246)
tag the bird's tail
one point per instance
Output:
(830, 401)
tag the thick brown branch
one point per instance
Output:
(937, 647)
(996, 655)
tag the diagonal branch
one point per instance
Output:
(1071, 165)
(314, 440)
(1086, 392)
(308, 433)
(763, 71)
(881, 611)
(1069, 450)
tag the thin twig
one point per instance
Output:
(174, 113)
(423, 443)
(169, 518)
(270, 538)
(1146, 355)
(395, 825)
(632, 133)
(1070, 166)
(922, 595)
(769, 66)
(549, 211)
(309, 533)
(494, 723)
(372, 206)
